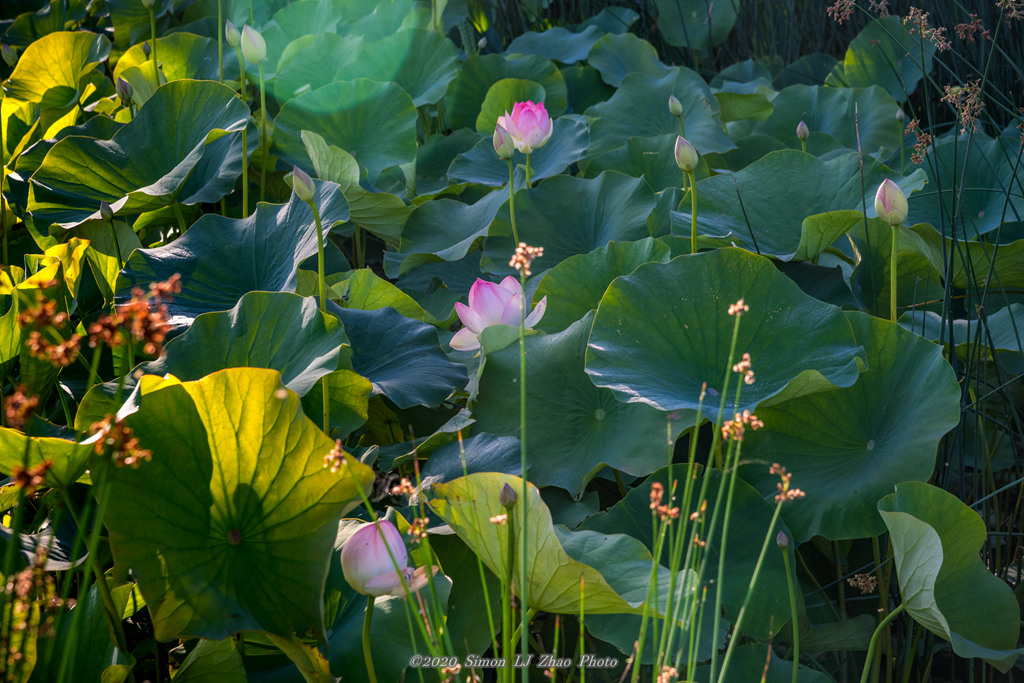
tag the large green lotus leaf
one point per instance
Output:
(500, 100)
(434, 157)
(227, 528)
(945, 585)
(976, 178)
(569, 216)
(753, 662)
(846, 448)
(999, 331)
(182, 55)
(650, 157)
(662, 332)
(575, 428)
(478, 453)
(274, 240)
(276, 330)
(312, 61)
(748, 525)
(630, 112)
(577, 284)
(832, 110)
(884, 53)
(184, 145)
(557, 44)
(348, 393)
(467, 505)
(385, 18)
(368, 292)
(790, 205)
(443, 230)
(69, 458)
(51, 70)
(811, 69)
(695, 24)
(289, 23)
(585, 87)
(50, 17)
(569, 140)
(422, 62)
(107, 252)
(478, 73)
(374, 122)
(617, 56)
(213, 661)
(970, 265)
(401, 356)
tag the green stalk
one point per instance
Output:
(583, 670)
(506, 607)
(792, 610)
(511, 201)
(874, 641)
(220, 41)
(182, 227)
(803, 146)
(892, 271)
(527, 170)
(367, 657)
(323, 303)
(524, 580)
(263, 136)
(245, 172)
(693, 212)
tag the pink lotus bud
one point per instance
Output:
(367, 564)
(504, 145)
(675, 107)
(686, 155)
(254, 48)
(508, 497)
(492, 304)
(782, 540)
(303, 185)
(801, 130)
(891, 203)
(900, 115)
(148, 4)
(231, 34)
(528, 124)
(124, 91)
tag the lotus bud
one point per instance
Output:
(508, 497)
(782, 540)
(481, 44)
(106, 213)
(124, 92)
(686, 155)
(145, 48)
(366, 559)
(303, 185)
(900, 116)
(148, 4)
(891, 203)
(504, 145)
(675, 107)
(801, 130)
(231, 34)
(254, 48)
(9, 54)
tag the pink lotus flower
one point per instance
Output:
(369, 567)
(492, 304)
(529, 125)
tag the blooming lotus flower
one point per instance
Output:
(492, 304)
(368, 566)
(891, 203)
(686, 155)
(528, 124)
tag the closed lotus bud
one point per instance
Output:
(9, 54)
(801, 130)
(782, 539)
(231, 34)
(254, 48)
(303, 185)
(145, 48)
(148, 4)
(504, 145)
(105, 212)
(508, 497)
(675, 107)
(372, 558)
(900, 115)
(891, 203)
(686, 155)
(481, 44)
(124, 92)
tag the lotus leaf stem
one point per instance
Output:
(367, 656)
(874, 641)
(263, 136)
(794, 624)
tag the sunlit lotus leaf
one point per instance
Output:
(184, 145)
(577, 284)
(50, 72)
(662, 332)
(750, 518)
(568, 216)
(695, 24)
(479, 72)
(213, 277)
(557, 44)
(788, 204)
(972, 265)
(847, 447)
(290, 22)
(575, 428)
(349, 396)
(631, 113)
(420, 61)
(236, 499)
(946, 587)
(107, 253)
(183, 55)
(735, 106)
(617, 56)
(69, 458)
(378, 20)
(976, 177)
(212, 661)
(374, 122)
(831, 110)
(886, 54)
